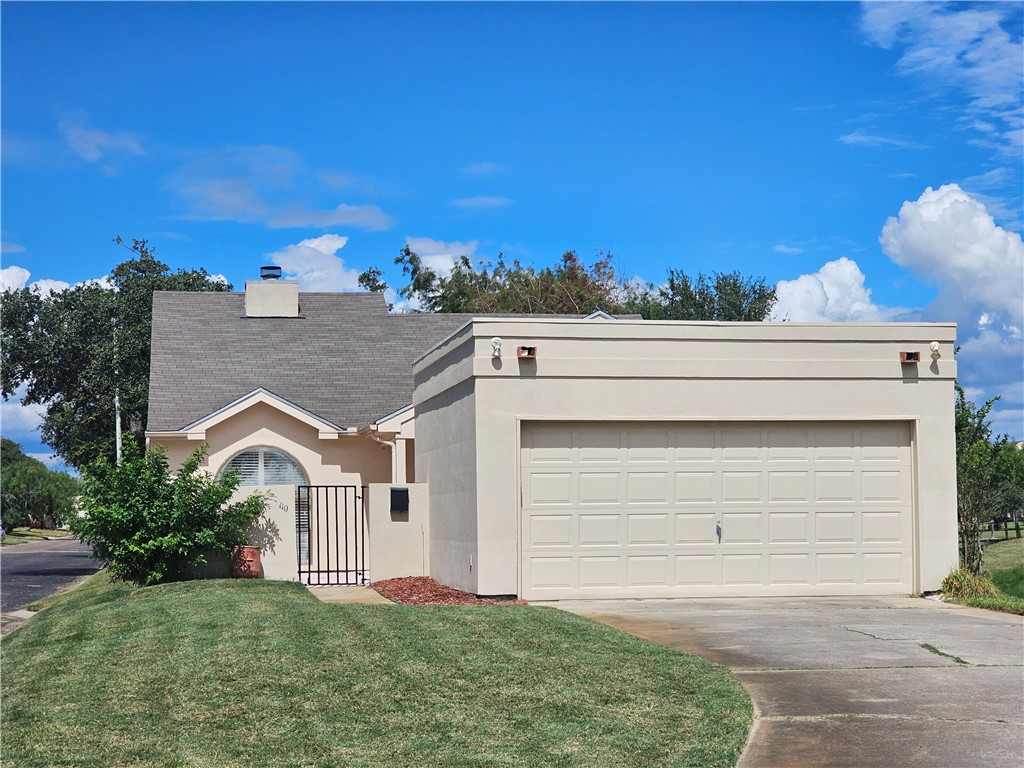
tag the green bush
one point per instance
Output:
(961, 584)
(150, 526)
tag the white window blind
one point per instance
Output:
(266, 466)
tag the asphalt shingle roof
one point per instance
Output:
(345, 358)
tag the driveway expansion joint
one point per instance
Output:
(870, 716)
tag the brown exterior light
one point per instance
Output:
(910, 357)
(526, 353)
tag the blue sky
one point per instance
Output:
(866, 158)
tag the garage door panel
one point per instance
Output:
(789, 528)
(549, 488)
(632, 510)
(648, 488)
(743, 487)
(600, 446)
(839, 527)
(789, 486)
(694, 527)
(697, 487)
(602, 488)
(600, 530)
(793, 568)
(698, 570)
(696, 446)
(649, 571)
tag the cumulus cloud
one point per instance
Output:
(965, 49)
(94, 145)
(835, 293)
(14, 278)
(439, 255)
(20, 422)
(316, 265)
(948, 238)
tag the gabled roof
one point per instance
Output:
(344, 359)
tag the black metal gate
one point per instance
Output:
(330, 526)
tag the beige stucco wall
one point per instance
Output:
(470, 407)
(345, 460)
(274, 532)
(398, 541)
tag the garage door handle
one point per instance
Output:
(718, 531)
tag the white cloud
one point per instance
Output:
(363, 216)
(13, 278)
(20, 422)
(877, 140)
(482, 202)
(316, 264)
(45, 286)
(260, 184)
(835, 293)
(949, 239)
(959, 48)
(11, 248)
(439, 255)
(94, 145)
(780, 248)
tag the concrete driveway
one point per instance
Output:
(857, 682)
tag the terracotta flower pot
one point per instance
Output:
(246, 563)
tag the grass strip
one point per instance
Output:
(25, 535)
(241, 673)
(932, 649)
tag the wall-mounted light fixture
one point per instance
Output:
(910, 357)
(496, 347)
(526, 353)
(934, 347)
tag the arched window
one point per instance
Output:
(266, 466)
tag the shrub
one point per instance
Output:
(150, 526)
(963, 585)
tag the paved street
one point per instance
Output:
(857, 682)
(31, 571)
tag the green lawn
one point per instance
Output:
(244, 673)
(22, 535)
(1004, 564)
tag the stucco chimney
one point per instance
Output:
(271, 296)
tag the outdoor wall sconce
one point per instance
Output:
(934, 347)
(496, 347)
(527, 353)
(399, 499)
(910, 357)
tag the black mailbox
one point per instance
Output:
(399, 499)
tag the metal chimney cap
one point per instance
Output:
(270, 273)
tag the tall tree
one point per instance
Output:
(73, 349)
(723, 296)
(31, 492)
(988, 477)
(572, 287)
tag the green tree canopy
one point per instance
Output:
(71, 349)
(31, 492)
(572, 287)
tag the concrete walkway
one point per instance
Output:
(856, 682)
(362, 595)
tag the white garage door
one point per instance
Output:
(684, 510)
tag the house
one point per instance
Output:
(569, 457)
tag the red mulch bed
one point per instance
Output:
(423, 590)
